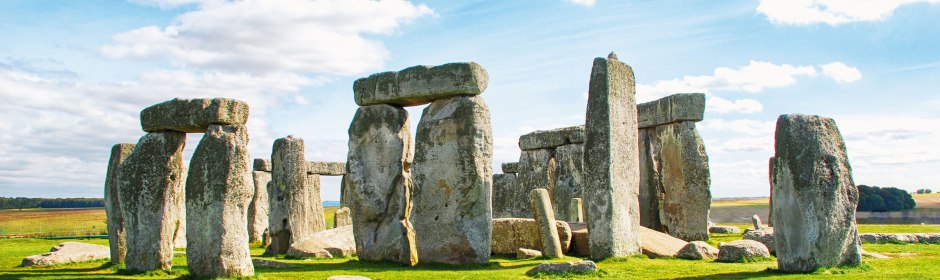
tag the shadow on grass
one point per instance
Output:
(737, 275)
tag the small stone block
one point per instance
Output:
(674, 108)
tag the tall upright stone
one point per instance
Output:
(568, 178)
(545, 218)
(342, 218)
(150, 185)
(258, 208)
(289, 216)
(504, 195)
(179, 233)
(453, 181)
(112, 202)
(315, 203)
(378, 184)
(686, 182)
(651, 187)
(536, 170)
(611, 164)
(218, 191)
(814, 196)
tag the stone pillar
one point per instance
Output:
(112, 202)
(536, 170)
(814, 196)
(342, 218)
(315, 204)
(290, 218)
(258, 208)
(218, 191)
(545, 218)
(651, 189)
(179, 233)
(378, 184)
(576, 211)
(453, 181)
(504, 196)
(683, 170)
(568, 178)
(149, 188)
(611, 164)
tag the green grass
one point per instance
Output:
(53, 222)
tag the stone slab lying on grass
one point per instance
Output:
(697, 250)
(546, 139)
(69, 252)
(674, 108)
(418, 85)
(724, 229)
(510, 234)
(326, 168)
(270, 264)
(900, 238)
(580, 246)
(764, 236)
(742, 251)
(338, 242)
(523, 253)
(657, 244)
(193, 115)
(579, 267)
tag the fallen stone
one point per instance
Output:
(261, 164)
(674, 108)
(291, 214)
(611, 180)
(338, 242)
(514, 233)
(258, 208)
(545, 220)
(742, 251)
(218, 191)
(270, 264)
(697, 250)
(900, 238)
(657, 244)
(764, 236)
(756, 221)
(326, 168)
(510, 167)
(504, 188)
(523, 253)
(580, 246)
(724, 229)
(341, 217)
(682, 168)
(193, 115)
(576, 267)
(112, 202)
(68, 252)
(814, 196)
(453, 180)
(419, 85)
(347, 277)
(536, 170)
(379, 184)
(547, 139)
(568, 181)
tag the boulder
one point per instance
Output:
(68, 252)
(523, 253)
(764, 236)
(112, 202)
(657, 244)
(515, 233)
(338, 242)
(611, 180)
(504, 196)
(536, 170)
(900, 238)
(568, 181)
(453, 180)
(724, 229)
(575, 267)
(545, 220)
(290, 212)
(342, 218)
(193, 115)
(510, 167)
(261, 164)
(670, 109)
(258, 208)
(326, 168)
(379, 185)
(270, 264)
(418, 85)
(697, 250)
(814, 196)
(742, 251)
(547, 139)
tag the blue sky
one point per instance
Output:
(75, 74)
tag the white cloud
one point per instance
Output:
(841, 73)
(585, 3)
(723, 106)
(832, 12)
(260, 37)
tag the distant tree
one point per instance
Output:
(883, 199)
(23, 202)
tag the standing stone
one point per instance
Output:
(258, 208)
(179, 234)
(315, 204)
(504, 196)
(576, 211)
(611, 167)
(342, 218)
(568, 179)
(683, 171)
(651, 188)
(453, 181)
(814, 196)
(149, 186)
(378, 184)
(545, 218)
(756, 221)
(112, 202)
(290, 217)
(536, 170)
(218, 191)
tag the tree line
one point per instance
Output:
(877, 199)
(24, 202)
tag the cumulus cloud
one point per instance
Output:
(831, 12)
(260, 37)
(585, 3)
(841, 73)
(722, 106)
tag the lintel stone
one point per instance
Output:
(193, 115)
(511, 167)
(418, 85)
(545, 139)
(326, 168)
(674, 108)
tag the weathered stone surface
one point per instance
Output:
(547, 139)
(150, 187)
(576, 211)
(326, 168)
(579, 240)
(379, 186)
(179, 233)
(342, 218)
(764, 236)
(112, 202)
(577, 267)
(504, 194)
(682, 166)
(314, 203)
(611, 167)
(536, 170)
(651, 187)
(270, 264)
(741, 251)
(756, 221)
(261, 164)
(514, 233)
(453, 180)
(419, 85)
(291, 216)
(523, 253)
(193, 115)
(568, 180)
(900, 238)
(218, 191)
(258, 208)
(674, 108)
(545, 220)
(339, 242)
(510, 167)
(697, 250)
(814, 196)
(724, 229)
(68, 252)
(657, 244)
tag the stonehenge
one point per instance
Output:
(112, 202)
(293, 196)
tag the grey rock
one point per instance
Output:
(873, 255)
(568, 180)
(419, 85)
(523, 253)
(682, 166)
(112, 202)
(611, 166)
(150, 187)
(724, 229)
(697, 250)
(261, 164)
(514, 233)
(580, 246)
(577, 267)
(68, 252)
(651, 187)
(258, 208)
(756, 221)
(379, 185)
(576, 211)
(656, 244)
(504, 195)
(179, 233)
(270, 264)
(764, 236)
(536, 170)
(193, 115)
(291, 213)
(545, 220)
(814, 196)
(741, 251)
(218, 191)
(342, 218)
(337, 242)
(326, 168)
(546, 139)
(900, 238)
(510, 167)
(678, 107)
(315, 204)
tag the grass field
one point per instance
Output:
(53, 222)
(734, 211)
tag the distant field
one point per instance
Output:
(734, 211)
